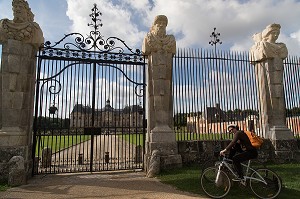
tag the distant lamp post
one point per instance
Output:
(53, 109)
(215, 39)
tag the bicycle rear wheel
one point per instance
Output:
(272, 186)
(214, 184)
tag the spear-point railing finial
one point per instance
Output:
(215, 39)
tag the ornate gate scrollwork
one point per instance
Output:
(89, 103)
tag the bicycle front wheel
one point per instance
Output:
(215, 183)
(265, 183)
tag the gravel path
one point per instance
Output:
(95, 185)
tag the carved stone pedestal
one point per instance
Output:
(285, 145)
(17, 80)
(163, 140)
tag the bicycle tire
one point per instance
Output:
(209, 185)
(208, 163)
(267, 191)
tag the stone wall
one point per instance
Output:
(201, 151)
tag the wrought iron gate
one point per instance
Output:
(89, 104)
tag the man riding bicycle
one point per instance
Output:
(240, 143)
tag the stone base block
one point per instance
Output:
(17, 177)
(280, 133)
(166, 161)
(285, 150)
(168, 152)
(6, 153)
(297, 155)
(4, 172)
(283, 156)
(162, 134)
(285, 145)
(170, 161)
(163, 147)
(12, 136)
(17, 173)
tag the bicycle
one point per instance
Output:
(216, 180)
(255, 163)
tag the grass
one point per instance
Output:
(136, 139)
(188, 179)
(3, 187)
(57, 143)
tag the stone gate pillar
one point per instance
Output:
(20, 39)
(267, 57)
(160, 49)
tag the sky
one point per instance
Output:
(190, 21)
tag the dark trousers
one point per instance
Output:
(241, 157)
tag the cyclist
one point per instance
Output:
(240, 143)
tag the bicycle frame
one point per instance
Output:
(247, 166)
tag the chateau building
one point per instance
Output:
(215, 120)
(128, 119)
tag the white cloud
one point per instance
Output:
(116, 20)
(235, 21)
(138, 5)
(296, 35)
(191, 21)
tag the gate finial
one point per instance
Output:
(95, 14)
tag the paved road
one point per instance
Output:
(122, 155)
(118, 185)
(117, 148)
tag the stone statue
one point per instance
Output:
(267, 56)
(265, 46)
(22, 27)
(160, 49)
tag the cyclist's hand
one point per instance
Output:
(222, 153)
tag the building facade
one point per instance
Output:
(109, 119)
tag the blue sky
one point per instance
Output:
(191, 21)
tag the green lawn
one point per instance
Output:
(136, 139)
(188, 179)
(57, 143)
(3, 187)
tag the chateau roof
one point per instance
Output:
(107, 108)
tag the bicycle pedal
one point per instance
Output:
(243, 182)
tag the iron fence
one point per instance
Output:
(214, 88)
(89, 112)
(292, 90)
